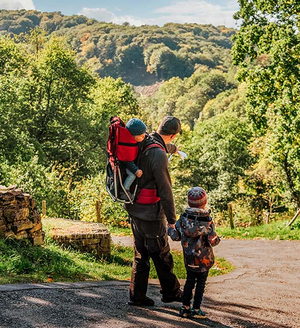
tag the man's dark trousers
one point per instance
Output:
(151, 241)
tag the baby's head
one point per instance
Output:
(196, 197)
(137, 128)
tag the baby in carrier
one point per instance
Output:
(137, 129)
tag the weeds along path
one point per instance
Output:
(263, 290)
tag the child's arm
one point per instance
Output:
(131, 166)
(175, 233)
(213, 238)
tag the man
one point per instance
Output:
(154, 204)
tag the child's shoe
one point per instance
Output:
(197, 314)
(183, 312)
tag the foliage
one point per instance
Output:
(82, 200)
(218, 156)
(23, 263)
(20, 262)
(140, 55)
(186, 98)
(267, 51)
(54, 120)
(269, 192)
(54, 108)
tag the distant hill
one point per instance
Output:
(140, 55)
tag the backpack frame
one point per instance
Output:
(121, 147)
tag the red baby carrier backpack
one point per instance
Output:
(121, 147)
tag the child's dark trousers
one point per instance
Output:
(192, 279)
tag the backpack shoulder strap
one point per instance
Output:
(153, 145)
(150, 144)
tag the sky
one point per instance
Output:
(138, 12)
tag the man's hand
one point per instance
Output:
(171, 225)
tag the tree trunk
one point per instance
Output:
(295, 193)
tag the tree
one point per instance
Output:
(55, 96)
(218, 157)
(267, 50)
(15, 142)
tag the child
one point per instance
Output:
(196, 231)
(137, 128)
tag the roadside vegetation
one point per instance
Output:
(276, 230)
(20, 262)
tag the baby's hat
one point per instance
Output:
(136, 127)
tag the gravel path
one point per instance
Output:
(263, 291)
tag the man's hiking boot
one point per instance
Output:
(183, 312)
(197, 314)
(175, 298)
(146, 302)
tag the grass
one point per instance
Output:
(274, 230)
(120, 231)
(20, 262)
(220, 267)
(23, 263)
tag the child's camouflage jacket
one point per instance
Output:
(196, 230)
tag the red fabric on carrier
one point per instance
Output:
(121, 145)
(127, 147)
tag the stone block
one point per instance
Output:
(22, 225)
(10, 213)
(2, 230)
(37, 239)
(21, 235)
(36, 227)
(93, 238)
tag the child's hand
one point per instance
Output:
(139, 173)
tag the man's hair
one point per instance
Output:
(169, 125)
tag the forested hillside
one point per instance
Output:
(140, 55)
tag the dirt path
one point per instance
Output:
(263, 291)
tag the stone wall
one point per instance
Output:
(84, 236)
(19, 217)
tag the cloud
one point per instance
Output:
(104, 15)
(181, 11)
(16, 4)
(201, 12)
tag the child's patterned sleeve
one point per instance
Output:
(213, 238)
(174, 234)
